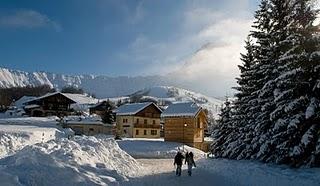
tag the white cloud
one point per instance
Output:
(28, 19)
(213, 68)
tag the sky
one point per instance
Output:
(200, 41)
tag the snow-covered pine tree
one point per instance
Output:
(279, 13)
(295, 132)
(222, 130)
(241, 107)
(261, 34)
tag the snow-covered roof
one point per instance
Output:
(31, 106)
(20, 102)
(187, 109)
(77, 98)
(133, 108)
(81, 98)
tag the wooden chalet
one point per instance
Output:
(138, 120)
(52, 104)
(99, 108)
(185, 123)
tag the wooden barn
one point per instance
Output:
(52, 104)
(139, 120)
(185, 123)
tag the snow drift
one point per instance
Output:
(81, 161)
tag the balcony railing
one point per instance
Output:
(141, 125)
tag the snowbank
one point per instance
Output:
(154, 148)
(81, 161)
(16, 133)
(14, 137)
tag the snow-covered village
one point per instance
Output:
(138, 92)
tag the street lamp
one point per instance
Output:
(184, 125)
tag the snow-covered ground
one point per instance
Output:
(155, 148)
(224, 173)
(251, 173)
(16, 133)
(35, 151)
(159, 170)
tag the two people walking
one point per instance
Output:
(178, 160)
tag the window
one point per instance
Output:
(138, 121)
(125, 131)
(145, 121)
(154, 132)
(145, 132)
(137, 132)
(91, 129)
(198, 123)
(154, 122)
(123, 120)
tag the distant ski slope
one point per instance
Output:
(170, 94)
(101, 86)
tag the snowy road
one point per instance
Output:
(161, 172)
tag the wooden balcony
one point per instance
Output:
(141, 125)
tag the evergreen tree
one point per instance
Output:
(295, 97)
(108, 114)
(222, 130)
(242, 106)
(270, 49)
(276, 115)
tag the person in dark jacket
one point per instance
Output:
(190, 162)
(178, 159)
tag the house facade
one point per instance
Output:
(185, 123)
(138, 120)
(91, 128)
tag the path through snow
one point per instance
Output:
(162, 172)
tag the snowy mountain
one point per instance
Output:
(101, 86)
(168, 94)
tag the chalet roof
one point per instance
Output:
(81, 98)
(98, 104)
(76, 98)
(185, 109)
(20, 102)
(48, 95)
(134, 108)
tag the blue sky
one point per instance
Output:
(96, 36)
(133, 37)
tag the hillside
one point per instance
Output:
(168, 94)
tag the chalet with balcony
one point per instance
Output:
(185, 123)
(52, 104)
(138, 120)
